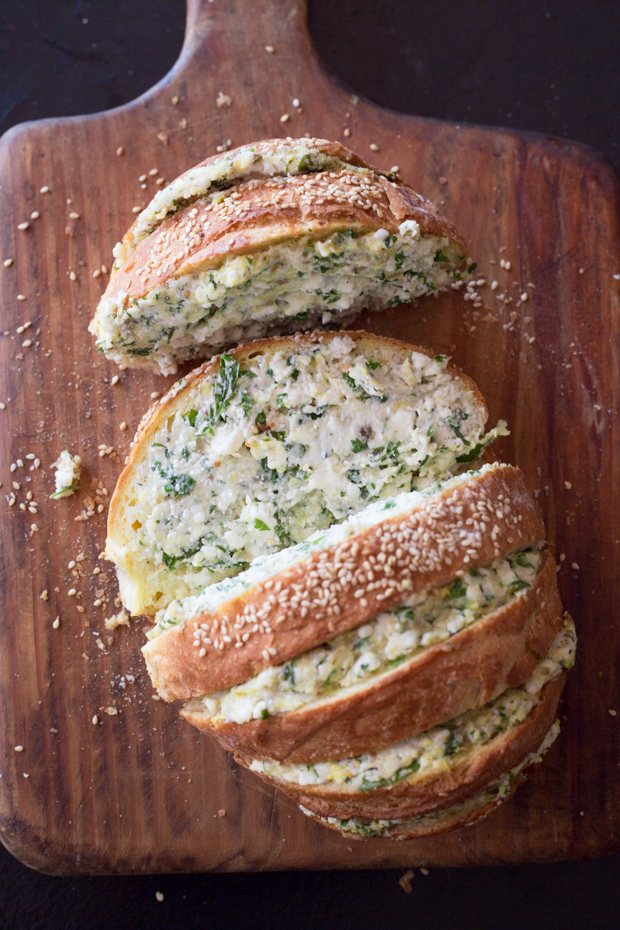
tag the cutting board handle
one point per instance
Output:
(235, 36)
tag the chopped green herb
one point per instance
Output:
(260, 525)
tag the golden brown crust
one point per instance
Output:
(480, 808)
(471, 668)
(440, 788)
(177, 398)
(339, 588)
(256, 213)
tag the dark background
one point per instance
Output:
(552, 66)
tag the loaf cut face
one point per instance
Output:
(261, 447)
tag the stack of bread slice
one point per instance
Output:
(348, 593)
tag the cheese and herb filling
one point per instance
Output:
(439, 746)
(292, 285)
(380, 645)
(265, 454)
(493, 795)
(285, 159)
(266, 567)
(67, 474)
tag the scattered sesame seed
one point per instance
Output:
(72, 276)
(347, 133)
(153, 172)
(159, 895)
(221, 812)
(96, 273)
(114, 380)
(44, 596)
(567, 485)
(394, 169)
(120, 150)
(160, 182)
(494, 285)
(424, 871)
(612, 713)
(405, 881)
(443, 180)
(574, 566)
(142, 177)
(154, 395)
(174, 100)
(2, 406)
(123, 427)
(524, 297)
(95, 720)
(270, 49)
(136, 209)
(285, 118)
(25, 774)
(223, 100)
(104, 269)
(373, 147)
(21, 297)
(45, 189)
(71, 592)
(7, 262)
(295, 102)
(21, 748)
(35, 215)
(27, 343)
(23, 226)
(56, 623)
(74, 216)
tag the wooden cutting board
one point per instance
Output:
(141, 791)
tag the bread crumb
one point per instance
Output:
(120, 619)
(567, 485)
(223, 100)
(111, 711)
(221, 812)
(44, 596)
(405, 881)
(175, 100)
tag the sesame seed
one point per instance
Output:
(373, 147)
(270, 49)
(7, 262)
(23, 226)
(524, 297)
(35, 215)
(21, 748)
(154, 171)
(285, 118)
(44, 596)
(612, 713)
(95, 720)
(56, 623)
(45, 189)
(74, 216)
(123, 427)
(114, 380)
(136, 209)
(567, 485)
(574, 566)
(154, 395)
(71, 592)
(159, 895)
(120, 150)
(27, 343)
(72, 276)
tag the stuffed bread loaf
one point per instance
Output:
(270, 238)
(258, 448)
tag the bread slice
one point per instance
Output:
(257, 449)
(238, 249)
(439, 767)
(463, 814)
(450, 651)
(335, 581)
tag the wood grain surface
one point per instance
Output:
(140, 790)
